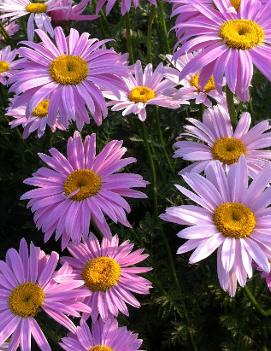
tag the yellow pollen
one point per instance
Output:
(101, 348)
(210, 85)
(242, 34)
(235, 4)
(86, 181)
(68, 70)
(4, 66)
(228, 150)
(26, 299)
(141, 94)
(101, 273)
(234, 220)
(38, 7)
(41, 110)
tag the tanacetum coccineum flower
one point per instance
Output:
(230, 43)
(28, 287)
(71, 73)
(143, 88)
(103, 336)
(82, 188)
(7, 64)
(37, 11)
(218, 141)
(109, 274)
(125, 5)
(231, 217)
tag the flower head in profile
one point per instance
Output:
(109, 274)
(190, 88)
(143, 88)
(230, 216)
(37, 12)
(81, 188)
(10, 28)
(215, 139)
(230, 42)
(125, 5)
(36, 122)
(27, 288)
(7, 64)
(72, 73)
(103, 336)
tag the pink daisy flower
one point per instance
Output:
(71, 73)
(71, 12)
(37, 11)
(231, 217)
(103, 336)
(36, 122)
(125, 5)
(144, 88)
(7, 64)
(216, 140)
(109, 273)
(191, 90)
(11, 28)
(224, 51)
(27, 286)
(82, 188)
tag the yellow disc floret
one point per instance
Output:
(234, 220)
(241, 34)
(228, 150)
(4, 66)
(37, 7)
(141, 94)
(26, 299)
(210, 85)
(85, 181)
(101, 273)
(41, 110)
(68, 70)
(101, 348)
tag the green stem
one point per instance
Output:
(163, 25)
(4, 33)
(149, 34)
(231, 108)
(162, 141)
(251, 297)
(129, 38)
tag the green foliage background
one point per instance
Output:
(188, 305)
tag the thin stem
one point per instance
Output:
(4, 33)
(162, 141)
(251, 297)
(129, 38)
(163, 25)
(149, 34)
(231, 108)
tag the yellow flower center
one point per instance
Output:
(234, 220)
(101, 274)
(228, 150)
(235, 4)
(86, 181)
(210, 85)
(141, 94)
(38, 7)
(101, 348)
(68, 70)
(26, 299)
(41, 110)
(242, 34)
(4, 66)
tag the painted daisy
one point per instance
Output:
(109, 273)
(231, 216)
(190, 85)
(71, 73)
(216, 140)
(103, 336)
(143, 88)
(82, 188)
(27, 287)
(125, 5)
(230, 43)
(7, 64)
(37, 11)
